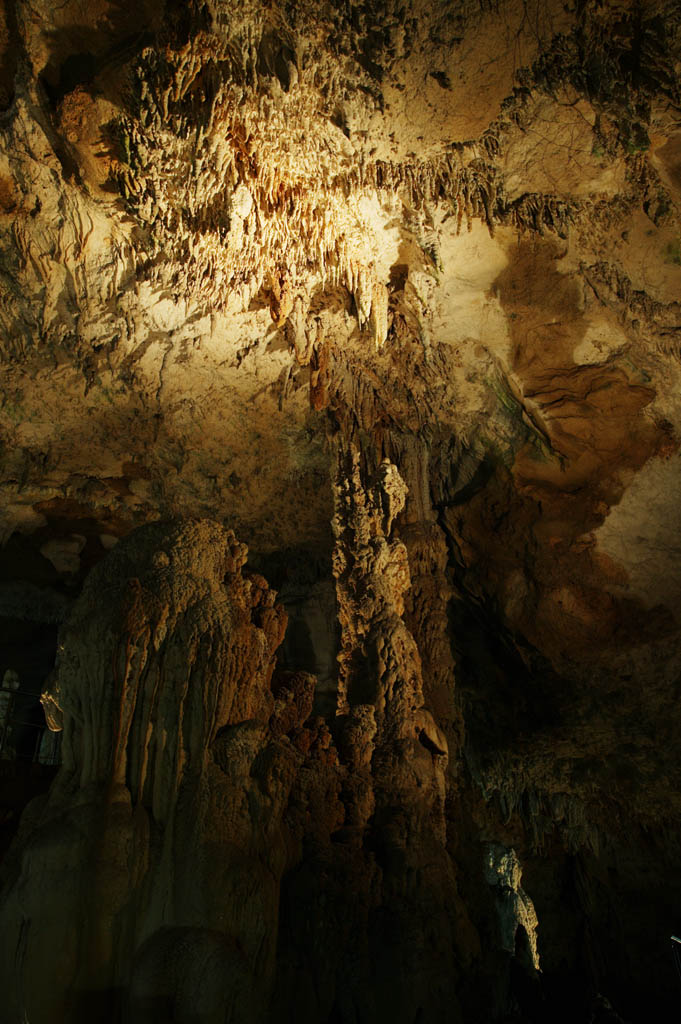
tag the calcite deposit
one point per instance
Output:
(340, 406)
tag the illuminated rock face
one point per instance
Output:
(390, 290)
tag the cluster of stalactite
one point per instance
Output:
(208, 160)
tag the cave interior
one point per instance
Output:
(340, 511)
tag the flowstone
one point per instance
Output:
(152, 864)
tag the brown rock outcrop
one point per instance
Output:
(163, 830)
(197, 790)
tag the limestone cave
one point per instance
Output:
(340, 511)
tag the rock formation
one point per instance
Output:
(390, 292)
(148, 837)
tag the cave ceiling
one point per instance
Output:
(229, 230)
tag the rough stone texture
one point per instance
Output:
(412, 268)
(160, 831)
(153, 866)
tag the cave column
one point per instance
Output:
(395, 800)
(380, 674)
